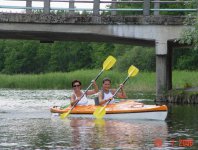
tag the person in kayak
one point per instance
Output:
(106, 93)
(76, 85)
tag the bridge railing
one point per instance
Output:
(97, 7)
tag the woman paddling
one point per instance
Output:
(107, 93)
(77, 93)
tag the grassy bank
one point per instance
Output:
(144, 81)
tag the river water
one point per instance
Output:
(26, 123)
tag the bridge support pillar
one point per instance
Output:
(163, 70)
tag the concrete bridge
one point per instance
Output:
(147, 29)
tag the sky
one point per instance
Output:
(40, 4)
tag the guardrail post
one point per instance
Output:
(71, 7)
(46, 6)
(156, 6)
(113, 12)
(28, 4)
(146, 9)
(96, 7)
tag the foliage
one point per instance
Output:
(34, 57)
(189, 35)
(167, 8)
(134, 6)
(144, 59)
(2, 57)
(185, 59)
(176, 8)
(100, 52)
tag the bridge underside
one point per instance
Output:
(85, 37)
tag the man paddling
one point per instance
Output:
(106, 93)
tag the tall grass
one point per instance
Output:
(57, 80)
(184, 79)
(144, 81)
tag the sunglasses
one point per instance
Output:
(76, 85)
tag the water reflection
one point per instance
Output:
(88, 133)
(182, 125)
(81, 133)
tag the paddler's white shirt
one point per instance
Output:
(83, 101)
(108, 95)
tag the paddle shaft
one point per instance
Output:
(99, 74)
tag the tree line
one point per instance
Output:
(33, 57)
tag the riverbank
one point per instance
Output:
(142, 83)
(183, 96)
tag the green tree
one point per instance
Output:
(100, 52)
(142, 58)
(58, 61)
(82, 58)
(185, 59)
(12, 62)
(190, 34)
(2, 57)
(136, 8)
(167, 7)
(42, 58)
(28, 54)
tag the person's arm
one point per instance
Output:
(73, 100)
(95, 90)
(101, 100)
(121, 93)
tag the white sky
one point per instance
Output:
(40, 4)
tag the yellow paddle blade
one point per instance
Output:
(133, 71)
(99, 112)
(109, 62)
(64, 115)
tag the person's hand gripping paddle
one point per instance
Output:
(107, 64)
(100, 111)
